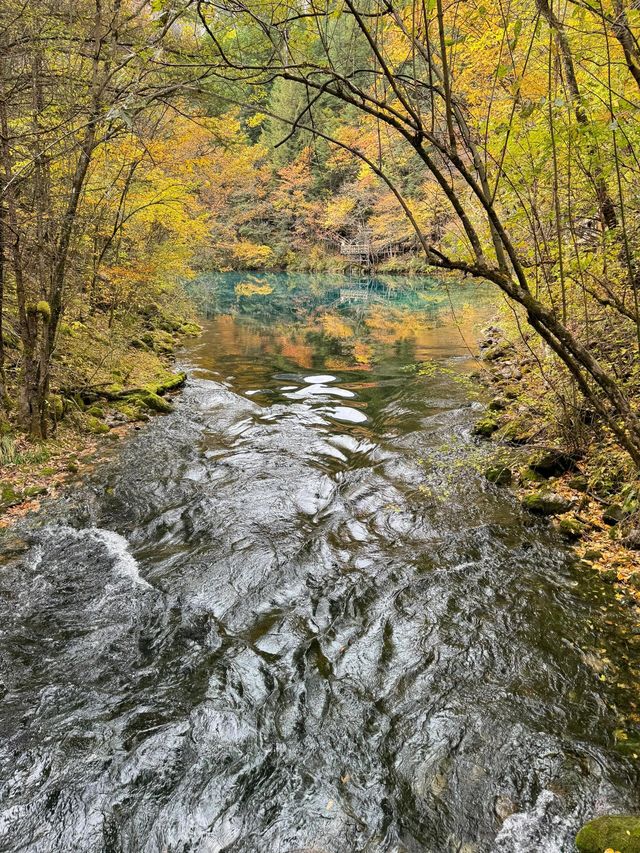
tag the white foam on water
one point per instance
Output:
(543, 829)
(319, 380)
(346, 413)
(118, 547)
(312, 390)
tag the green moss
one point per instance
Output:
(159, 341)
(571, 528)
(517, 431)
(130, 412)
(529, 476)
(148, 400)
(44, 309)
(613, 514)
(551, 462)
(618, 832)
(486, 426)
(56, 406)
(499, 474)
(498, 404)
(546, 503)
(95, 411)
(34, 491)
(95, 426)
(593, 554)
(9, 496)
(579, 483)
(168, 383)
(192, 330)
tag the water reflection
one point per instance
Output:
(357, 337)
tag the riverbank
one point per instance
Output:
(559, 461)
(109, 378)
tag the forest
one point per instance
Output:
(374, 584)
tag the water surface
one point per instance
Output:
(293, 616)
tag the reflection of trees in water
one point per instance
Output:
(343, 318)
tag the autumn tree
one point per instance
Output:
(529, 146)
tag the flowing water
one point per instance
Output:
(292, 616)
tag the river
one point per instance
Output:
(294, 616)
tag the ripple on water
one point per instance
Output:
(332, 660)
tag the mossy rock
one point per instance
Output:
(138, 343)
(168, 324)
(161, 342)
(151, 309)
(500, 475)
(498, 404)
(191, 330)
(579, 483)
(613, 514)
(35, 491)
(616, 832)
(95, 411)
(148, 400)
(593, 554)
(552, 462)
(517, 431)
(546, 503)
(168, 383)
(486, 426)
(495, 352)
(9, 496)
(609, 575)
(528, 476)
(131, 413)
(95, 426)
(571, 528)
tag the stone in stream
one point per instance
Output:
(612, 832)
(546, 503)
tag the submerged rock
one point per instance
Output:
(546, 503)
(612, 832)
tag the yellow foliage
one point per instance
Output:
(248, 288)
(335, 327)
